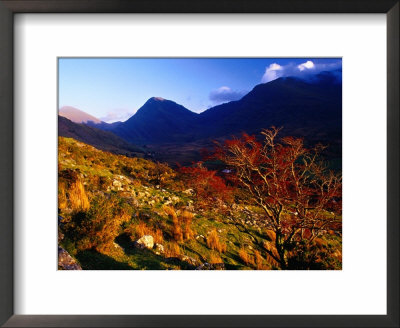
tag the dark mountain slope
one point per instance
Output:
(303, 108)
(158, 121)
(100, 139)
(103, 125)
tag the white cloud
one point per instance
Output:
(117, 115)
(303, 70)
(272, 72)
(225, 94)
(307, 65)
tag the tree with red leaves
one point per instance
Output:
(299, 196)
(208, 186)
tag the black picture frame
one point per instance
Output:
(10, 7)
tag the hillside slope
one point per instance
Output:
(103, 140)
(109, 205)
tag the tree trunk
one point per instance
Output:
(280, 247)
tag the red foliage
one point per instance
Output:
(288, 182)
(207, 185)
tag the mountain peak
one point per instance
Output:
(160, 106)
(158, 120)
(156, 100)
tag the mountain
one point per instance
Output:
(103, 125)
(100, 139)
(309, 108)
(159, 121)
(76, 115)
(306, 109)
(302, 107)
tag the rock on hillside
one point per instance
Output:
(65, 261)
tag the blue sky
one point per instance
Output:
(113, 89)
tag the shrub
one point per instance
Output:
(215, 259)
(172, 250)
(99, 226)
(259, 261)
(181, 223)
(141, 229)
(214, 243)
(176, 228)
(170, 211)
(186, 218)
(161, 174)
(62, 197)
(158, 236)
(245, 257)
(77, 197)
(210, 188)
(71, 191)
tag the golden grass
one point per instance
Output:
(172, 250)
(214, 243)
(181, 223)
(259, 261)
(245, 257)
(73, 196)
(62, 197)
(215, 259)
(270, 234)
(158, 236)
(269, 246)
(170, 211)
(78, 197)
(141, 229)
(186, 218)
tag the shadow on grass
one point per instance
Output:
(93, 260)
(147, 259)
(230, 255)
(231, 266)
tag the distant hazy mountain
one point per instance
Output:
(76, 115)
(100, 139)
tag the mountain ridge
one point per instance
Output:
(305, 108)
(155, 120)
(103, 140)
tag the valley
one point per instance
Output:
(172, 133)
(249, 184)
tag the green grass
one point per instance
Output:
(145, 201)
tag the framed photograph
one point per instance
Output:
(199, 164)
